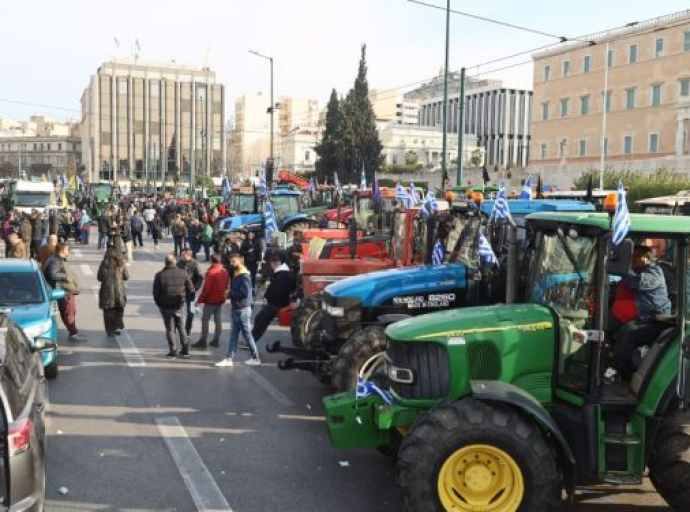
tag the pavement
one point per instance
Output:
(131, 430)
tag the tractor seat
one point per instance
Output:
(646, 356)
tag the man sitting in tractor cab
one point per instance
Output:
(641, 296)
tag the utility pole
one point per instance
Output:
(19, 161)
(604, 103)
(271, 109)
(445, 96)
(461, 126)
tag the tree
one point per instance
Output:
(411, 158)
(327, 163)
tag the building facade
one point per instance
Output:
(624, 96)
(42, 126)
(39, 157)
(498, 116)
(389, 106)
(297, 149)
(144, 122)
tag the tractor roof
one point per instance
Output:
(285, 192)
(638, 222)
(524, 206)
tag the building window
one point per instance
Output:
(547, 73)
(59, 146)
(545, 111)
(307, 156)
(653, 142)
(685, 86)
(41, 146)
(544, 150)
(565, 104)
(49, 146)
(686, 41)
(587, 64)
(656, 95)
(606, 145)
(582, 148)
(35, 146)
(659, 47)
(632, 54)
(630, 98)
(584, 105)
(609, 59)
(566, 68)
(607, 100)
(627, 144)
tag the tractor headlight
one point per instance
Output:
(36, 330)
(400, 375)
(336, 311)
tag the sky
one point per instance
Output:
(51, 48)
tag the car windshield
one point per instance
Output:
(243, 203)
(19, 288)
(562, 272)
(32, 198)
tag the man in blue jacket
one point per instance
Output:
(241, 298)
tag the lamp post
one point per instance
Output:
(271, 108)
(445, 97)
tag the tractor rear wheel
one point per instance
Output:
(669, 462)
(362, 355)
(477, 456)
(306, 324)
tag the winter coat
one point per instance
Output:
(36, 229)
(192, 269)
(178, 228)
(53, 224)
(279, 290)
(103, 224)
(137, 224)
(241, 289)
(207, 234)
(126, 230)
(251, 250)
(45, 252)
(25, 230)
(651, 294)
(156, 226)
(112, 278)
(55, 271)
(215, 285)
(171, 287)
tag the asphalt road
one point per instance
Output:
(131, 430)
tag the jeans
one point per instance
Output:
(136, 237)
(207, 250)
(215, 311)
(263, 320)
(172, 318)
(195, 245)
(241, 321)
(85, 236)
(630, 336)
(102, 240)
(179, 244)
(190, 313)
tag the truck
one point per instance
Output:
(26, 196)
(507, 407)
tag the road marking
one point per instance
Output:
(129, 350)
(77, 253)
(205, 492)
(86, 269)
(269, 388)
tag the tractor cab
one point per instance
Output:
(243, 201)
(503, 407)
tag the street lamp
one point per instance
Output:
(271, 108)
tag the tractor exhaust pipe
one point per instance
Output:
(353, 238)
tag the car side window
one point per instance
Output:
(16, 368)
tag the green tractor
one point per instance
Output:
(501, 408)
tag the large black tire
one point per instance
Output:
(306, 324)
(669, 461)
(362, 346)
(441, 432)
(51, 371)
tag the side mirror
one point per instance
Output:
(41, 343)
(57, 294)
(619, 258)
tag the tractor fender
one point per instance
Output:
(496, 391)
(294, 218)
(392, 318)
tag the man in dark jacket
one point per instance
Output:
(137, 225)
(103, 229)
(251, 251)
(36, 233)
(171, 286)
(241, 298)
(212, 296)
(57, 276)
(190, 265)
(277, 295)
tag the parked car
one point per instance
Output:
(22, 420)
(28, 300)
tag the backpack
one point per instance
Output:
(137, 224)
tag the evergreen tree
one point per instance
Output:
(326, 149)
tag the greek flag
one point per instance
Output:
(437, 255)
(621, 220)
(485, 251)
(526, 192)
(402, 195)
(376, 191)
(312, 186)
(367, 388)
(363, 180)
(430, 205)
(227, 189)
(271, 224)
(336, 182)
(263, 189)
(414, 200)
(501, 209)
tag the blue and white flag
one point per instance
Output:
(402, 195)
(485, 251)
(621, 220)
(526, 192)
(311, 187)
(363, 180)
(271, 224)
(376, 191)
(227, 189)
(430, 205)
(414, 200)
(263, 188)
(367, 388)
(437, 254)
(501, 209)
(336, 182)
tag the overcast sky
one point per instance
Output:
(50, 48)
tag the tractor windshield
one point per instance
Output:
(285, 205)
(243, 203)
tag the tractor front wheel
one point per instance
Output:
(361, 356)
(477, 456)
(306, 325)
(669, 462)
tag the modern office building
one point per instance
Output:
(144, 122)
(625, 94)
(389, 106)
(498, 116)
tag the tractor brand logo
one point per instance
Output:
(538, 326)
(433, 301)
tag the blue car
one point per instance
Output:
(28, 300)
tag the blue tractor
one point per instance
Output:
(357, 309)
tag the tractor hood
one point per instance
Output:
(239, 222)
(403, 286)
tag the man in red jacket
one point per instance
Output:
(213, 297)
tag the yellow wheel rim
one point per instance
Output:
(480, 478)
